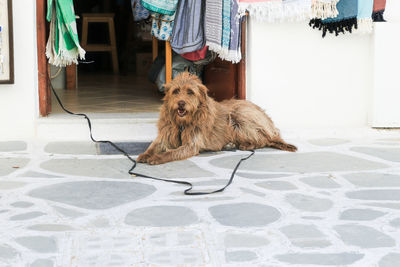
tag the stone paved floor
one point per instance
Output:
(334, 203)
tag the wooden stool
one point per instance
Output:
(112, 47)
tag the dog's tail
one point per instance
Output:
(282, 145)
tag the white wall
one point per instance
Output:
(18, 102)
(303, 80)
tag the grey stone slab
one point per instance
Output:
(211, 182)
(360, 214)
(259, 176)
(71, 148)
(390, 260)
(305, 236)
(299, 162)
(253, 192)
(21, 204)
(203, 199)
(175, 169)
(34, 174)
(118, 168)
(328, 141)
(244, 214)
(161, 216)
(374, 179)
(94, 194)
(240, 256)
(27, 216)
(132, 148)
(4, 211)
(12, 146)
(363, 236)
(308, 203)
(5, 185)
(325, 259)
(50, 227)
(104, 168)
(7, 252)
(277, 185)
(395, 222)
(10, 165)
(42, 263)
(384, 194)
(68, 212)
(244, 240)
(386, 153)
(394, 206)
(320, 182)
(41, 244)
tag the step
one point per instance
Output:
(105, 126)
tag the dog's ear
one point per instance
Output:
(203, 91)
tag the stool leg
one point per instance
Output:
(168, 62)
(114, 54)
(84, 32)
(155, 48)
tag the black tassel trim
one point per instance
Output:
(377, 16)
(336, 27)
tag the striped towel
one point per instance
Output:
(213, 25)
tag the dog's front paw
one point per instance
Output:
(155, 160)
(143, 158)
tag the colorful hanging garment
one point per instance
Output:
(188, 34)
(62, 47)
(161, 26)
(276, 10)
(165, 7)
(364, 18)
(379, 8)
(323, 9)
(226, 25)
(138, 11)
(213, 25)
(345, 21)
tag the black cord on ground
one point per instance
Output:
(131, 172)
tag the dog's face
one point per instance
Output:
(184, 96)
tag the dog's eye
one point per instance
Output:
(190, 92)
(175, 92)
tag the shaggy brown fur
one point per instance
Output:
(191, 122)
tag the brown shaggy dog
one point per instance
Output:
(191, 122)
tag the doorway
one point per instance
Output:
(99, 89)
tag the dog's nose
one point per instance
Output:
(181, 103)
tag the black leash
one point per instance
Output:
(131, 172)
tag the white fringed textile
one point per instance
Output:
(323, 9)
(277, 11)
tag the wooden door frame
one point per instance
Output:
(43, 69)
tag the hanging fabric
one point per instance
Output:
(379, 8)
(262, 10)
(345, 21)
(164, 7)
(323, 9)
(296, 10)
(138, 11)
(213, 25)
(62, 47)
(196, 55)
(364, 16)
(161, 26)
(233, 52)
(188, 32)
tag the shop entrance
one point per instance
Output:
(115, 78)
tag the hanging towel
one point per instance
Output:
(62, 47)
(296, 10)
(323, 9)
(188, 34)
(262, 10)
(226, 25)
(345, 21)
(161, 26)
(196, 55)
(364, 18)
(233, 53)
(379, 8)
(213, 25)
